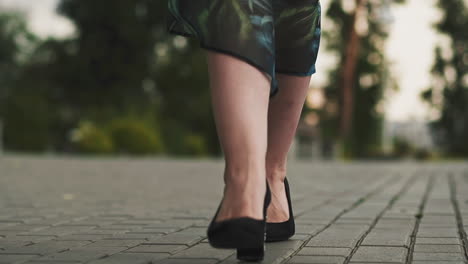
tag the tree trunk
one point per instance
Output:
(348, 74)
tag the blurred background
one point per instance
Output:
(104, 78)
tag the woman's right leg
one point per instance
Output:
(284, 113)
(240, 97)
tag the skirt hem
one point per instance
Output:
(202, 44)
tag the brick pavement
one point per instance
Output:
(120, 210)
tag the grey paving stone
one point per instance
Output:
(6, 244)
(157, 248)
(82, 254)
(388, 237)
(176, 239)
(157, 229)
(204, 250)
(89, 222)
(46, 247)
(24, 227)
(438, 232)
(397, 216)
(140, 221)
(117, 243)
(164, 230)
(437, 262)
(313, 220)
(9, 233)
(438, 248)
(57, 230)
(324, 251)
(275, 253)
(118, 218)
(299, 237)
(127, 236)
(98, 231)
(307, 229)
(38, 261)
(145, 233)
(358, 221)
(279, 251)
(384, 223)
(53, 221)
(380, 254)
(15, 258)
(439, 220)
(131, 258)
(200, 231)
(337, 237)
(81, 237)
(316, 259)
(187, 261)
(438, 256)
(118, 228)
(438, 240)
(174, 224)
(4, 225)
(30, 238)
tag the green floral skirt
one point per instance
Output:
(276, 36)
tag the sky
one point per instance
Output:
(410, 48)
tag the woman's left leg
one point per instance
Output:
(283, 117)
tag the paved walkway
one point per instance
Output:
(72, 210)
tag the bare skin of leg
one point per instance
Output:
(240, 97)
(283, 118)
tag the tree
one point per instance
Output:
(357, 86)
(113, 53)
(15, 43)
(449, 92)
(126, 58)
(120, 62)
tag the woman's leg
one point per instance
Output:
(240, 96)
(283, 118)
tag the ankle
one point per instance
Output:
(244, 176)
(276, 174)
(247, 181)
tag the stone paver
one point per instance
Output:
(316, 259)
(156, 210)
(380, 254)
(438, 256)
(324, 251)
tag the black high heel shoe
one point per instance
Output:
(245, 234)
(283, 230)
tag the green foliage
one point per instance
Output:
(423, 154)
(182, 141)
(15, 44)
(113, 54)
(371, 78)
(450, 75)
(120, 58)
(25, 113)
(133, 136)
(401, 147)
(196, 145)
(127, 135)
(92, 140)
(26, 123)
(186, 109)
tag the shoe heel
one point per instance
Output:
(251, 254)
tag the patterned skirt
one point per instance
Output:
(275, 36)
